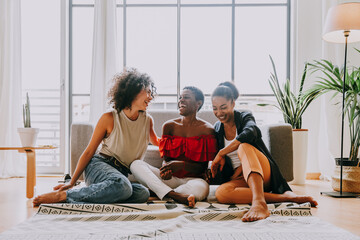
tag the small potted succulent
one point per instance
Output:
(27, 134)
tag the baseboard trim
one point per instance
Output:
(313, 176)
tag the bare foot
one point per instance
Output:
(191, 200)
(182, 198)
(292, 197)
(52, 197)
(257, 211)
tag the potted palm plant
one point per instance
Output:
(332, 81)
(293, 105)
(27, 134)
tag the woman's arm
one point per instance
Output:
(233, 146)
(153, 137)
(167, 129)
(248, 134)
(219, 160)
(165, 171)
(102, 129)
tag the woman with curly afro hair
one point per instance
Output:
(124, 134)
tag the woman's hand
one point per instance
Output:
(207, 175)
(166, 175)
(169, 168)
(63, 186)
(219, 161)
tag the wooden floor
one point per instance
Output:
(15, 207)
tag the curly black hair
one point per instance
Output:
(127, 86)
(199, 96)
(227, 90)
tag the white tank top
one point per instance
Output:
(232, 155)
(129, 139)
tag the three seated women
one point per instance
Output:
(187, 145)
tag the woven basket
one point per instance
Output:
(351, 179)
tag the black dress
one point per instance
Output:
(248, 132)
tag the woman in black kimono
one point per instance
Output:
(256, 178)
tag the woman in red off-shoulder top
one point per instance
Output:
(187, 145)
(186, 156)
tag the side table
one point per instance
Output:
(30, 166)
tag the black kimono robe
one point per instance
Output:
(248, 132)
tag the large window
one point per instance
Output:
(81, 61)
(205, 46)
(41, 48)
(259, 32)
(177, 42)
(187, 42)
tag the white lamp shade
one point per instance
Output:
(343, 17)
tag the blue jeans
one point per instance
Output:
(107, 183)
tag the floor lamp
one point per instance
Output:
(342, 25)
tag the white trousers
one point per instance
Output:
(149, 176)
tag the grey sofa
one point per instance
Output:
(277, 137)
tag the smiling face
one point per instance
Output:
(223, 108)
(142, 100)
(187, 103)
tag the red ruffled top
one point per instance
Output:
(198, 149)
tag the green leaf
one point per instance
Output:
(333, 81)
(291, 104)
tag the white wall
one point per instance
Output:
(307, 24)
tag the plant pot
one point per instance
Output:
(350, 179)
(300, 150)
(28, 136)
(346, 162)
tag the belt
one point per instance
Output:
(105, 156)
(115, 162)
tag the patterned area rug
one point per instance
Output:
(168, 220)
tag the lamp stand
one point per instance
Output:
(342, 194)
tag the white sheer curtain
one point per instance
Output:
(11, 162)
(104, 59)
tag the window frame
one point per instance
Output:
(234, 4)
